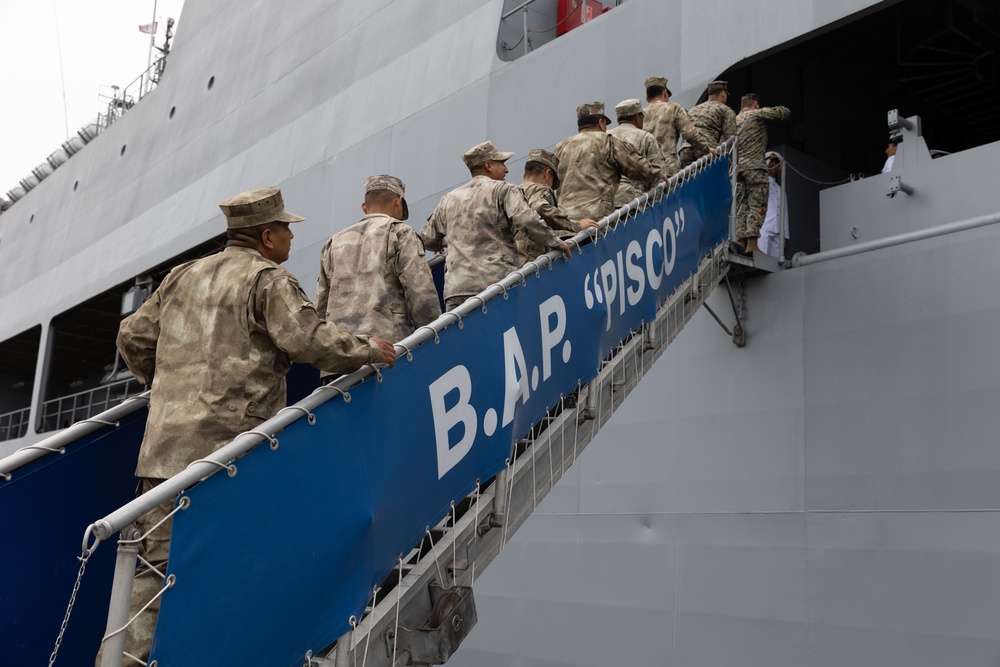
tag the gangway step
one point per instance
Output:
(751, 264)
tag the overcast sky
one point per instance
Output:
(101, 45)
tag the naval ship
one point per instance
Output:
(806, 476)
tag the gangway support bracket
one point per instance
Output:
(453, 615)
(738, 333)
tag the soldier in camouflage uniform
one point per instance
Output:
(480, 220)
(592, 163)
(751, 174)
(373, 276)
(540, 179)
(629, 130)
(667, 121)
(713, 118)
(215, 341)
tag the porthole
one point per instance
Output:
(31, 219)
(172, 111)
(76, 185)
(123, 150)
(211, 82)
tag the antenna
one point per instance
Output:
(62, 76)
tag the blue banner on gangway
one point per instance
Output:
(272, 562)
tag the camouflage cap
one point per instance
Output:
(716, 87)
(658, 81)
(390, 183)
(591, 109)
(629, 108)
(256, 207)
(482, 153)
(542, 156)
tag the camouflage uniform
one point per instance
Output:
(667, 121)
(751, 175)
(215, 341)
(715, 121)
(644, 144)
(542, 200)
(481, 219)
(591, 165)
(374, 279)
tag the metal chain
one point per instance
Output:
(69, 609)
(850, 177)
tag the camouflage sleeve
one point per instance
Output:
(294, 325)
(415, 277)
(323, 281)
(522, 217)
(137, 336)
(432, 234)
(633, 165)
(729, 126)
(552, 214)
(653, 152)
(774, 113)
(687, 129)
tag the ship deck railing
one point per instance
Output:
(14, 424)
(64, 411)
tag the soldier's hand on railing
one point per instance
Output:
(567, 251)
(387, 351)
(587, 223)
(714, 152)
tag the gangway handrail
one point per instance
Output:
(802, 259)
(112, 523)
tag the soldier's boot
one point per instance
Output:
(751, 245)
(738, 246)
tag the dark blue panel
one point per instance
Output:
(46, 507)
(271, 563)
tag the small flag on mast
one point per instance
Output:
(149, 28)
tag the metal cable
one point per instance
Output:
(168, 583)
(850, 177)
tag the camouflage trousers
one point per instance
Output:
(147, 583)
(751, 202)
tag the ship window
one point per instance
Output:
(211, 82)
(527, 25)
(18, 358)
(123, 150)
(76, 185)
(173, 110)
(86, 375)
(31, 219)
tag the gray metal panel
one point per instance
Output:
(901, 377)
(915, 589)
(639, 589)
(943, 192)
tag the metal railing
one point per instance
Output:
(123, 99)
(14, 424)
(523, 8)
(66, 410)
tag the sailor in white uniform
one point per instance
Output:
(776, 201)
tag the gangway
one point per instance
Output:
(428, 494)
